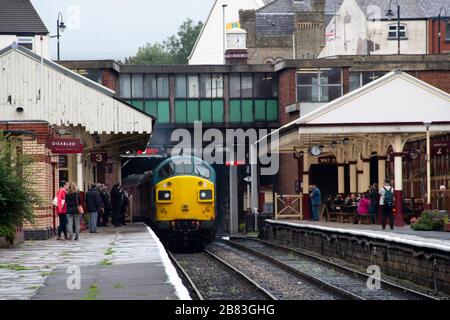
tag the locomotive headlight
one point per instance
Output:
(164, 195)
(205, 195)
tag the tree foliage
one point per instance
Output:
(174, 50)
(17, 197)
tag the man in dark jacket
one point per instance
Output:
(116, 203)
(107, 209)
(374, 197)
(93, 205)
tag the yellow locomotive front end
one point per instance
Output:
(184, 198)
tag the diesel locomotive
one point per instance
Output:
(184, 201)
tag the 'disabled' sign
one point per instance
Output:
(65, 146)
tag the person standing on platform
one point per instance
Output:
(125, 204)
(116, 203)
(74, 211)
(387, 200)
(107, 209)
(61, 209)
(93, 205)
(374, 197)
(315, 197)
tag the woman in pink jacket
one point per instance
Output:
(61, 209)
(363, 205)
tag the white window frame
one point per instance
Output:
(394, 25)
(26, 40)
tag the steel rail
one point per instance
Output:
(297, 273)
(247, 278)
(392, 287)
(187, 277)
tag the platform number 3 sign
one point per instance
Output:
(99, 156)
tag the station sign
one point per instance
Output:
(65, 146)
(235, 163)
(99, 156)
(328, 160)
(440, 148)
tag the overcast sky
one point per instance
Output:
(114, 29)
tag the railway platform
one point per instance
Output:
(421, 258)
(402, 235)
(114, 264)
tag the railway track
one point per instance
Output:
(338, 279)
(211, 278)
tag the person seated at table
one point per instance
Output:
(363, 208)
(339, 202)
(329, 203)
(351, 203)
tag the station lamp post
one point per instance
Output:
(224, 6)
(428, 158)
(439, 27)
(60, 27)
(390, 15)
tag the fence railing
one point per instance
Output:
(288, 206)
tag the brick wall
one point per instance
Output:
(410, 263)
(438, 79)
(42, 176)
(109, 79)
(433, 28)
(288, 172)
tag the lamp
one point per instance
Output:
(60, 28)
(19, 110)
(390, 15)
(439, 28)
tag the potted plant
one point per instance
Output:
(429, 221)
(17, 197)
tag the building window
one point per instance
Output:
(163, 86)
(26, 42)
(265, 85)
(359, 79)
(319, 85)
(392, 35)
(150, 86)
(137, 86)
(125, 86)
(447, 32)
(193, 87)
(180, 86)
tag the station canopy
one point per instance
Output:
(396, 103)
(33, 88)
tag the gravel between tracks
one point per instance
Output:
(214, 280)
(280, 283)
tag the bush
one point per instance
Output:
(17, 197)
(429, 221)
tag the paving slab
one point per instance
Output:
(114, 264)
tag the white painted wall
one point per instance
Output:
(416, 34)
(352, 27)
(209, 47)
(38, 45)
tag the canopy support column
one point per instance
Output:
(353, 177)
(305, 197)
(341, 178)
(398, 173)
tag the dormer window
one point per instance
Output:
(26, 42)
(392, 35)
